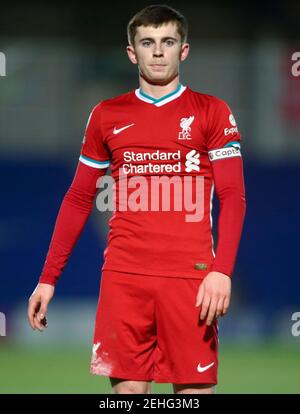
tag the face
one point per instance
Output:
(158, 52)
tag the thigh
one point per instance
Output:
(125, 336)
(187, 351)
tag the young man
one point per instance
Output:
(163, 286)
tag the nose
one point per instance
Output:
(158, 50)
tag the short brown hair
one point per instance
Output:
(157, 15)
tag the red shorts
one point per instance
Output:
(148, 329)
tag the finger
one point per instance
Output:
(35, 312)
(43, 311)
(41, 316)
(200, 295)
(44, 322)
(37, 323)
(205, 306)
(30, 316)
(212, 311)
(220, 307)
(33, 305)
(226, 305)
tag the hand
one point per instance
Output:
(214, 295)
(38, 305)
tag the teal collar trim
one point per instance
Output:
(163, 97)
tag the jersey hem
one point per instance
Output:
(153, 272)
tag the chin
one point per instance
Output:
(159, 76)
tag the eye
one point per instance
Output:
(146, 43)
(170, 42)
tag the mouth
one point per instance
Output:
(157, 66)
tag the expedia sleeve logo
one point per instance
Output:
(233, 129)
(232, 149)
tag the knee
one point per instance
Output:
(130, 387)
(194, 388)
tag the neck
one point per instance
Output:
(158, 90)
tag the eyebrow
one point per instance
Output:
(163, 39)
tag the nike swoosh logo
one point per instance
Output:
(117, 131)
(202, 369)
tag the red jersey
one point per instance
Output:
(144, 140)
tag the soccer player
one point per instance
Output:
(163, 286)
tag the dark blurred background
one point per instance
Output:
(64, 57)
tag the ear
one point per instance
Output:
(185, 48)
(131, 54)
